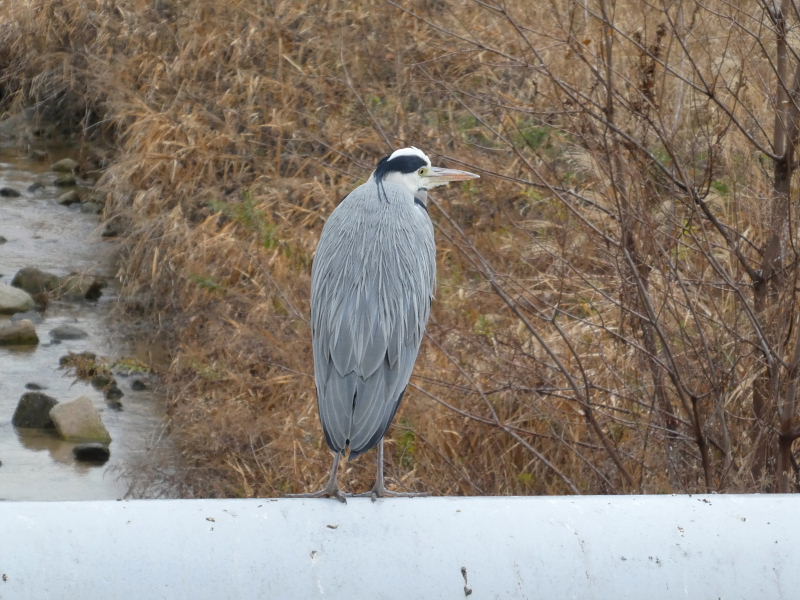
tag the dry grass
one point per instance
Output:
(236, 127)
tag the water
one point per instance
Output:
(37, 465)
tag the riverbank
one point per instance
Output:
(69, 268)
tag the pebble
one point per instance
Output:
(70, 197)
(65, 165)
(91, 452)
(8, 192)
(14, 300)
(79, 421)
(68, 332)
(113, 392)
(33, 411)
(19, 333)
(34, 316)
(35, 281)
(101, 381)
(65, 180)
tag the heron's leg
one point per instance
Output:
(379, 489)
(331, 490)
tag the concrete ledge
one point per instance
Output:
(603, 547)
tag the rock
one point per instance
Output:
(112, 392)
(14, 300)
(33, 410)
(137, 385)
(9, 192)
(34, 316)
(35, 186)
(31, 385)
(92, 452)
(97, 197)
(79, 421)
(40, 155)
(68, 198)
(19, 333)
(92, 208)
(114, 403)
(65, 165)
(68, 332)
(80, 286)
(3, 240)
(78, 360)
(65, 180)
(113, 228)
(35, 281)
(101, 381)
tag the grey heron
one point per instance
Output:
(373, 279)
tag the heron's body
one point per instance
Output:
(371, 289)
(369, 315)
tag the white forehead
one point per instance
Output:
(411, 151)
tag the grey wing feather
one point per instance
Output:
(372, 284)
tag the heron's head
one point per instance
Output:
(412, 168)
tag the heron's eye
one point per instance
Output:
(421, 171)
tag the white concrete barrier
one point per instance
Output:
(601, 547)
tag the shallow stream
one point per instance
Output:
(37, 464)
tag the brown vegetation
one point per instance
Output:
(617, 307)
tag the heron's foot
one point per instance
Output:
(326, 492)
(380, 491)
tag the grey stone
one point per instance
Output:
(68, 332)
(34, 316)
(35, 186)
(3, 240)
(92, 452)
(69, 198)
(65, 165)
(35, 281)
(9, 192)
(14, 300)
(137, 385)
(79, 286)
(91, 208)
(112, 392)
(32, 385)
(65, 180)
(19, 333)
(79, 421)
(33, 410)
(101, 381)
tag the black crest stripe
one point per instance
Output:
(401, 164)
